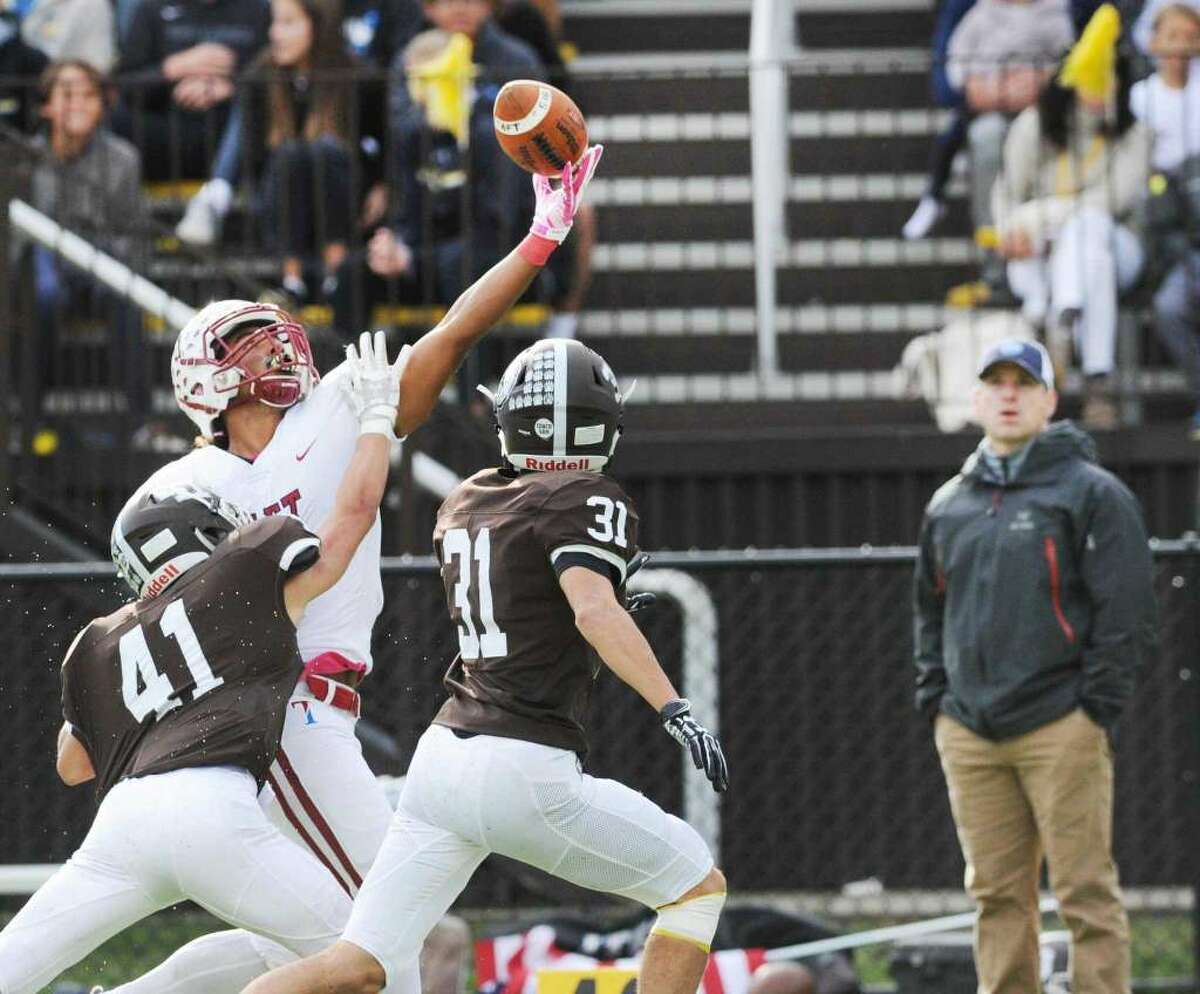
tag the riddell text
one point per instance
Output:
(545, 464)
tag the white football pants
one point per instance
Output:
(467, 797)
(322, 794)
(197, 834)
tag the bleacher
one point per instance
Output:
(672, 303)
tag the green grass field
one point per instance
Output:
(1163, 947)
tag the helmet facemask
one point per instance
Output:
(212, 353)
(286, 378)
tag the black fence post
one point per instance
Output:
(7, 333)
(1191, 574)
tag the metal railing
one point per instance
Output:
(835, 778)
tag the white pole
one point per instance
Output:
(889, 933)
(770, 43)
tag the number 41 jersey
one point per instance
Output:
(524, 671)
(199, 676)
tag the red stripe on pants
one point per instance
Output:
(305, 837)
(317, 818)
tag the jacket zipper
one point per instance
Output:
(1052, 562)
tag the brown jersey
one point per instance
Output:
(199, 676)
(524, 671)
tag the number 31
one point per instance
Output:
(605, 530)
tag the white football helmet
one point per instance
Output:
(207, 371)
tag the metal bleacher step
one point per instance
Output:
(622, 26)
(863, 23)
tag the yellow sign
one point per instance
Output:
(595, 980)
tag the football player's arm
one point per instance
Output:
(441, 350)
(353, 514)
(74, 765)
(372, 388)
(609, 629)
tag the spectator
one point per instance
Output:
(1075, 167)
(570, 272)
(424, 255)
(73, 29)
(458, 196)
(524, 21)
(999, 56)
(312, 130)
(363, 32)
(90, 182)
(1169, 104)
(499, 56)
(1034, 610)
(1144, 26)
(21, 66)
(179, 58)
(932, 205)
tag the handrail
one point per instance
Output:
(863, 555)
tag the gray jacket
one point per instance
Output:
(1033, 596)
(97, 195)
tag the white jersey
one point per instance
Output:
(299, 472)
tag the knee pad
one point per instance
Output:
(693, 921)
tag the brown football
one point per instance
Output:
(538, 126)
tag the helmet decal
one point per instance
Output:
(558, 406)
(159, 537)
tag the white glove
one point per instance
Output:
(373, 386)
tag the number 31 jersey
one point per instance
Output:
(199, 676)
(523, 670)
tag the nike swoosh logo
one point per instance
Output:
(300, 455)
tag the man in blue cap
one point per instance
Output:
(1034, 609)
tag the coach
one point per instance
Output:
(1034, 609)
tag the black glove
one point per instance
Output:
(638, 602)
(677, 719)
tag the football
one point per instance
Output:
(538, 126)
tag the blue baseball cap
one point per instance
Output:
(1030, 356)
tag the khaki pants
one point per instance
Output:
(1049, 791)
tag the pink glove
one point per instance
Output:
(555, 210)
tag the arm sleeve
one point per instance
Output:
(1118, 577)
(1014, 184)
(1143, 27)
(283, 542)
(138, 47)
(590, 523)
(950, 15)
(1117, 193)
(929, 598)
(72, 712)
(372, 130)
(126, 209)
(959, 52)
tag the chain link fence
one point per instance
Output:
(837, 804)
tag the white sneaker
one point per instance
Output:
(200, 224)
(928, 212)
